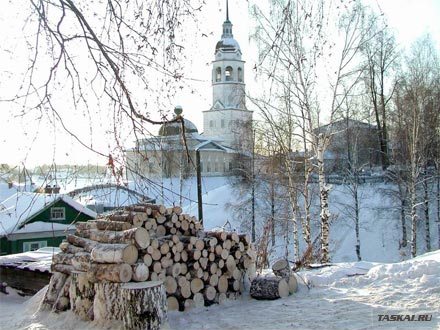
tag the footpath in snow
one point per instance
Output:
(342, 296)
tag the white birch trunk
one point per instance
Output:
(324, 190)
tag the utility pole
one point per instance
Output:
(199, 186)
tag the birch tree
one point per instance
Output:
(415, 102)
(299, 41)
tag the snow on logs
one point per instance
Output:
(148, 242)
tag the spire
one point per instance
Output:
(227, 25)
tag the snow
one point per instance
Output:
(39, 260)
(39, 226)
(107, 197)
(216, 216)
(342, 296)
(18, 208)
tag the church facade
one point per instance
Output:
(227, 125)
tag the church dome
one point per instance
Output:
(227, 45)
(170, 129)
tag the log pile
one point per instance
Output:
(148, 242)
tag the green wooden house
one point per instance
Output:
(29, 221)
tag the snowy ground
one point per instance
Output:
(343, 296)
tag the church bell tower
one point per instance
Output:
(228, 119)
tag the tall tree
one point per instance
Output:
(417, 104)
(381, 54)
(296, 48)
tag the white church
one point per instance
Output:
(227, 125)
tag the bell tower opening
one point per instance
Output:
(218, 74)
(229, 73)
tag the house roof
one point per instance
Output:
(39, 260)
(194, 142)
(109, 195)
(23, 206)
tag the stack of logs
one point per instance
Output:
(142, 243)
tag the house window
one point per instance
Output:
(58, 213)
(218, 74)
(240, 74)
(228, 73)
(211, 123)
(32, 246)
(208, 169)
(223, 123)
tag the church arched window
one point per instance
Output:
(240, 74)
(218, 74)
(228, 73)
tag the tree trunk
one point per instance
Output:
(269, 288)
(115, 253)
(136, 219)
(62, 302)
(324, 195)
(110, 272)
(437, 165)
(69, 248)
(426, 211)
(81, 261)
(56, 283)
(403, 216)
(107, 301)
(357, 210)
(104, 225)
(414, 217)
(138, 236)
(62, 268)
(84, 243)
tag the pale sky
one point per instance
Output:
(34, 142)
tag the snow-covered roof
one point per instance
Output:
(109, 196)
(175, 128)
(20, 207)
(39, 260)
(40, 226)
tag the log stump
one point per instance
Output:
(106, 303)
(269, 288)
(82, 294)
(145, 305)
